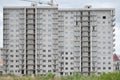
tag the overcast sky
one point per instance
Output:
(71, 4)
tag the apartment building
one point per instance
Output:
(1, 60)
(46, 39)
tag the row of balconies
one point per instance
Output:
(86, 20)
(84, 15)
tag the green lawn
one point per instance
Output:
(104, 76)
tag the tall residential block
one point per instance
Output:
(46, 39)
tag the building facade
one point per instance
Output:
(38, 40)
(116, 62)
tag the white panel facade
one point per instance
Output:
(41, 40)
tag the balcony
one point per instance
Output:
(94, 45)
(85, 69)
(113, 35)
(94, 34)
(85, 64)
(30, 16)
(113, 19)
(30, 52)
(30, 62)
(85, 59)
(30, 57)
(113, 40)
(30, 11)
(30, 22)
(85, 55)
(30, 32)
(85, 44)
(30, 28)
(113, 50)
(30, 37)
(86, 34)
(30, 67)
(113, 30)
(113, 45)
(113, 25)
(85, 29)
(30, 47)
(30, 42)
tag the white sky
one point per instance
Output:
(71, 4)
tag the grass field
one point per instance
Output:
(76, 76)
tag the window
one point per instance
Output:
(44, 60)
(99, 72)
(11, 65)
(72, 68)
(104, 17)
(66, 58)
(17, 50)
(103, 57)
(11, 60)
(66, 63)
(66, 68)
(49, 70)
(11, 55)
(103, 62)
(44, 70)
(11, 45)
(11, 50)
(99, 67)
(49, 65)
(72, 58)
(109, 68)
(44, 55)
(17, 45)
(49, 60)
(109, 62)
(109, 47)
(71, 63)
(17, 66)
(44, 50)
(109, 57)
(104, 68)
(17, 60)
(66, 53)
(49, 55)
(62, 53)
(49, 50)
